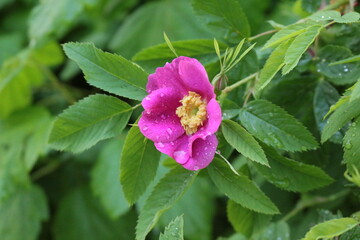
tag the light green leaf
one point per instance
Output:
(239, 188)
(244, 220)
(355, 93)
(291, 175)
(274, 126)
(325, 15)
(79, 215)
(18, 76)
(139, 162)
(143, 28)
(243, 142)
(22, 214)
(105, 182)
(53, 17)
(299, 46)
(351, 146)
(273, 64)
(346, 60)
(330, 229)
(174, 231)
(165, 194)
(49, 54)
(89, 121)
(325, 96)
(107, 71)
(287, 33)
(278, 230)
(226, 16)
(201, 49)
(198, 219)
(310, 5)
(343, 114)
(348, 18)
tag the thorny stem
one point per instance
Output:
(239, 83)
(305, 203)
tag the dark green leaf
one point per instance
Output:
(139, 162)
(226, 16)
(348, 18)
(165, 194)
(90, 120)
(243, 142)
(239, 188)
(351, 146)
(107, 71)
(274, 126)
(278, 230)
(290, 175)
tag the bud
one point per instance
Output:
(220, 81)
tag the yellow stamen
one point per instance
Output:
(192, 112)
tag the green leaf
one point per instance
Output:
(299, 46)
(107, 71)
(79, 215)
(18, 76)
(198, 219)
(174, 231)
(342, 115)
(89, 121)
(53, 17)
(291, 175)
(287, 33)
(49, 54)
(239, 188)
(355, 93)
(139, 162)
(243, 142)
(165, 194)
(340, 74)
(105, 181)
(143, 28)
(225, 16)
(274, 126)
(346, 60)
(273, 64)
(244, 220)
(201, 49)
(353, 234)
(22, 214)
(325, 15)
(278, 230)
(350, 17)
(330, 229)
(325, 96)
(351, 146)
(310, 5)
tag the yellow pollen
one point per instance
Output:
(192, 112)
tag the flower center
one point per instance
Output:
(192, 112)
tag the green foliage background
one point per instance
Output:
(74, 165)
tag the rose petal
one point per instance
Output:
(167, 76)
(213, 122)
(194, 77)
(162, 99)
(178, 149)
(203, 151)
(161, 126)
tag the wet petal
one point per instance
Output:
(203, 151)
(161, 126)
(162, 99)
(178, 149)
(195, 78)
(213, 122)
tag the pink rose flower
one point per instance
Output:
(181, 113)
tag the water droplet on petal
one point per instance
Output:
(161, 94)
(163, 116)
(181, 156)
(169, 130)
(147, 98)
(145, 128)
(196, 168)
(160, 144)
(322, 17)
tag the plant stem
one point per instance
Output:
(239, 83)
(45, 170)
(335, 5)
(305, 203)
(262, 34)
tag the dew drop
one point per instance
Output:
(348, 145)
(145, 128)
(147, 98)
(303, 148)
(322, 17)
(163, 116)
(161, 94)
(205, 148)
(160, 144)
(196, 168)
(353, 135)
(156, 121)
(169, 130)
(353, 124)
